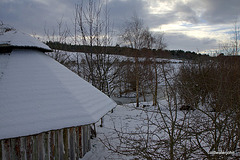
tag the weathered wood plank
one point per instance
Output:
(46, 144)
(65, 143)
(85, 139)
(29, 147)
(6, 154)
(17, 148)
(72, 146)
(60, 144)
(40, 146)
(56, 145)
(52, 145)
(76, 142)
(88, 137)
(12, 151)
(23, 148)
(1, 155)
(80, 141)
(35, 147)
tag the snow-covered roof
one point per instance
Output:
(38, 94)
(15, 38)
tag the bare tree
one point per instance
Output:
(159, 44)
(236, 34)
(231, 47)
(162, 131)
(212, 88)
(58, 36)
(87, 22)
(137, 36)
(93, 28)
(133, 36)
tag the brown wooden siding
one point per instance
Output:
(67, 143)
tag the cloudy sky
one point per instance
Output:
(194, 25)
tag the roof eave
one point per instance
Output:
(8, 48)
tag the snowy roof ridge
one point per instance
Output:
(15, 38)
(38, 94)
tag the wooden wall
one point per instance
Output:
(68, 143)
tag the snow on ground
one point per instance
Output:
(130, 118)
(72, 56)
(127, 118)
(121, 116)
(124, 116)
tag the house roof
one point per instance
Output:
(38, 94)
(17, 39)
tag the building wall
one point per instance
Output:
(67, 143)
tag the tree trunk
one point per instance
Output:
(156, 84)
(137, 81)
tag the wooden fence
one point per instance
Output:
(68, 143)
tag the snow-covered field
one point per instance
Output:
(72, 56)
(122, 116)
(171, 64)
(130, 119)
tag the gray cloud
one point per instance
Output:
(124, 10)
(180, 41)
(180, 12)
(32, 15)
(221, 11)
(204, 11)
(185, 13)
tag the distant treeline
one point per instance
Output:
(126, 51)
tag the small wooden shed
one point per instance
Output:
(45, 109)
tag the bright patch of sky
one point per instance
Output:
(197, 31)
(188, 18)
(162, 7)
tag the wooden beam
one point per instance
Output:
(23, 148)
(46, 144)
(76, 142)
(52, 145)
(17, 148)
(60, 143)
(35, 147)
(80, 141)
(40, 145)
(29, 147)
(72, 146)
(56, 145)
(65, 143)
(6, 147)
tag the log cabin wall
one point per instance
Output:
(68, 143)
